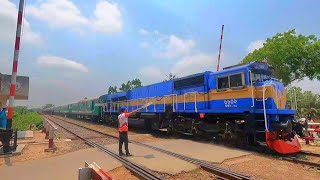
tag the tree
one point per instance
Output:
(293, 56)
(47, 106)
(112, 89)
(135, 83)
(307, 102)
(170, 76)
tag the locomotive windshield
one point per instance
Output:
(260, 77)
(261, 72)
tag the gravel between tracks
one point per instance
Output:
(94, 136)
(136, 135)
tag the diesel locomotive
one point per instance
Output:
(241, 103)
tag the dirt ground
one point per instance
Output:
(195, 174)
(312, 147)
(35, 147)
(122, 173)
(255, 165)
(261, 167)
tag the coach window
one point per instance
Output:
(223, 82)
(236, 80)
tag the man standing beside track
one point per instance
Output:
(123, 129)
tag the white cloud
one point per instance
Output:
(8, 20)
(143, 32)
(59, 62)
(167, 46)
(144, 45)
(58, 13)
(255, 45)
(192, 64)
(178, 47)
(107, 17)
(151, 72)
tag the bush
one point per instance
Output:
(22, 117)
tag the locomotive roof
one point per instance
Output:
(193, 75)
(239, 67)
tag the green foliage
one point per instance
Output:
(47, 106)
(125, 87)
(170, 76)
(135, 83)
(112, 89)
(22, 117)
(308, 104)
(293, 56)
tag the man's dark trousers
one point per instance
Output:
(123, 138)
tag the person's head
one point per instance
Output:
(123, 110)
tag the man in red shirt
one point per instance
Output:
(123, 129)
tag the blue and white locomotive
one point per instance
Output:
(242, 103)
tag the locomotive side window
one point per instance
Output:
(223, 82)
(193, 81)
(236, 80)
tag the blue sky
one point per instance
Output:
(76, 49)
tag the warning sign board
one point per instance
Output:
(22, 86)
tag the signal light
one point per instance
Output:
(202, 115)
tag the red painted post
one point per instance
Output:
(15, 65)
(51, 134)
(218, 65)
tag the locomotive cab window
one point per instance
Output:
(237, 80)
(223, 82)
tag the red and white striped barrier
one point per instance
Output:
(15, 64)
(311, 138)
(218, 64)
(50, 128)
(311, 132)
(93, 172)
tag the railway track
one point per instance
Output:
(310, 153)
(295, 159)
(303, 162)
(219, 171)
(139, 171)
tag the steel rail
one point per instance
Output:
(222, 172)
(303, 162)
(136, 169)
(310, 153)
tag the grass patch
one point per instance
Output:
(22, 117)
